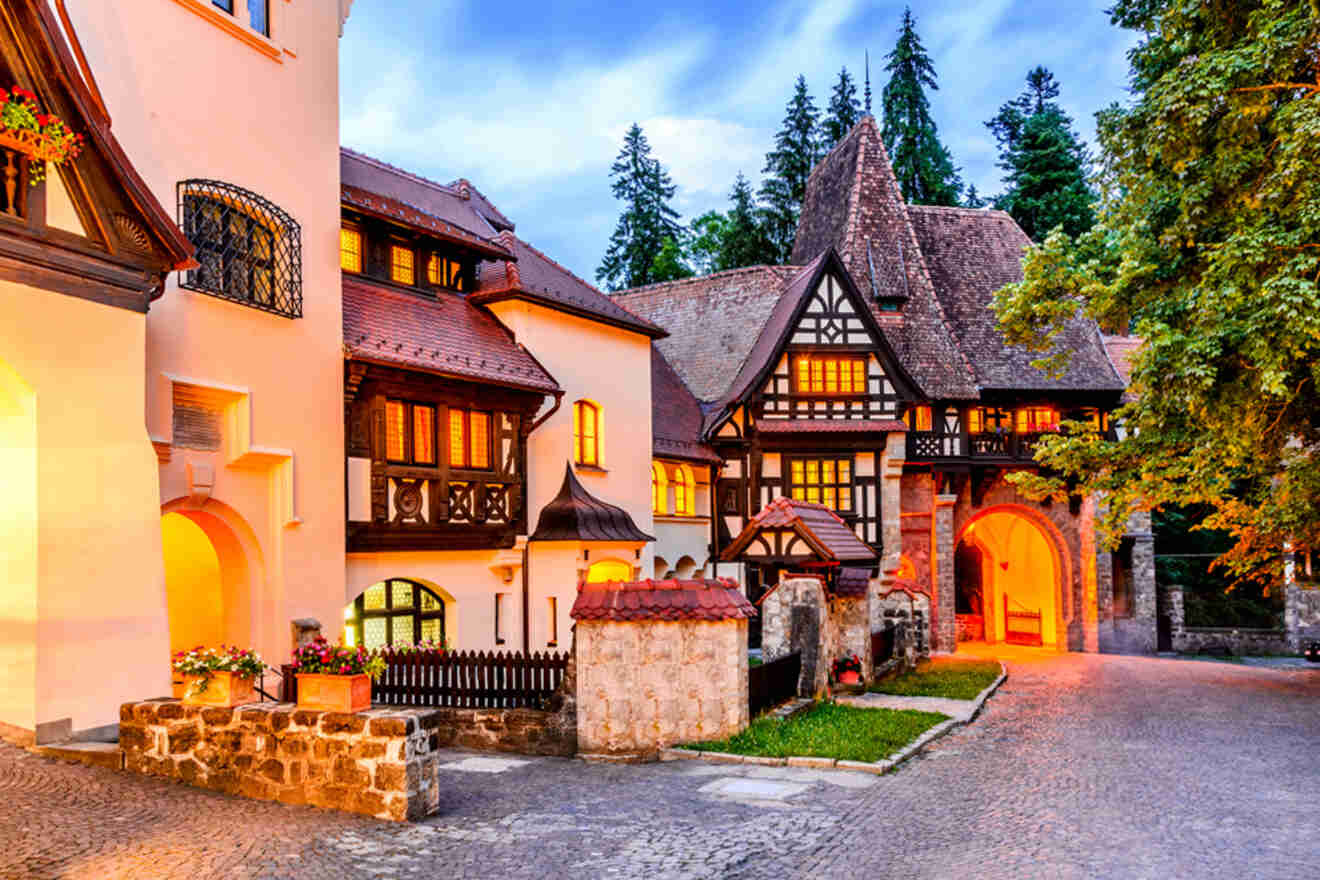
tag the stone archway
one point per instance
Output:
(1022, 567)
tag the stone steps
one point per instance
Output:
(93, 754)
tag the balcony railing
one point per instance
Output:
(932, 445)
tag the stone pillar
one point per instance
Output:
(891, 501)
(1301, 613)
(944, 627)
(1145, 614)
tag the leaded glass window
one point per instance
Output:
(395, 612)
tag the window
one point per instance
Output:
(409, 432)
(918, 418)
(825, 481)
(1034, 419)
(248, 250)
(831, 375)
(659, 489)
(350, 249)
(554, 623)
(609, 570)
(586, 433)
(401, 265)
(685, 490)
(444, 272)
(1121, 562)
(499, 618)
(259, 16)
(469, 439)
(394, 612)
(988, 420)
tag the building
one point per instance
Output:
(869, 376)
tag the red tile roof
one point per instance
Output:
(827, 426)
(445, 203)
(395, 209)
(447, 335)
(823, 529)
(710, 600)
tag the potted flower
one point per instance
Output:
(218, 676)
(333, 678)
(42, 136)
(848, 669)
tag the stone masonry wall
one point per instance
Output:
(1240, 641)
(1301, 613)
(644, 685)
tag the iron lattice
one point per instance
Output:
(249, 250)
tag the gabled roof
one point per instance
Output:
(447, 336)
(853, 203)
(825, 533)
(710, 600)
(401, 212)
(539, 279)
(676, 418)
(443, 203)
(577, 515)
(493, 215)
(971, 254)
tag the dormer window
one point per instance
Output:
(444, 272)
(401, 265)
(350, 249)
(258, 13)
(817, 374)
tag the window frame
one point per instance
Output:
(580, 438)
(466, 464)
(1025, 422)
(659, 489)
(444, 279)
(978, 420)
(360, 613)
(685, 481)
(351, 229)
(396, 248)
(809, 359)
(920, 417)
(792, 485)
(409, 429)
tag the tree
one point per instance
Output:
(923, 166)
(745, 242)
(973, 198)
(1208, 245)
(643, 185)
(706, 241)
(1045, 161)
(842, 113)
(787, 166)
(670, 263)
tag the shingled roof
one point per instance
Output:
(972, 253)
(577, 515)
(828, 536)
(444, 203)
(709, 600)
(676, 418)
(447, 336)
(539, 279)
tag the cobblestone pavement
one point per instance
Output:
(1080, 766)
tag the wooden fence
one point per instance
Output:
(462, 680)
(772, 683)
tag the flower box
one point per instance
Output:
(334, 693)
(226, 689)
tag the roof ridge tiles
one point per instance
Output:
(723, 273)
(411, 175)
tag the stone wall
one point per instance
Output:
(1301, 613)
(911, 612)
(1135, 634)
(1218, 639)
(644, 685)
(835, 626)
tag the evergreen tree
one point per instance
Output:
(745, 242)
(973, 198)
(923, 166)
(1045, 161)
(797, 149)
(706, 241)
(842, 114)
(644, 187)
(669, 264)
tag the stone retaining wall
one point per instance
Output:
(1191, 640)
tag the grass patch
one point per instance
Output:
(829, 730)
(942, 677)
(754, 661)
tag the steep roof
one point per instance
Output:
(662, 600)
(444, 203)
(484, 206)
(1121, 350)
(713, 321)
(971, 254)
(676, 418)
(577, 515)
(827, 534)
(448, 336)
(394, 209)
(853, 203)
(539, 279)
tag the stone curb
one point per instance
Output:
(878, 767)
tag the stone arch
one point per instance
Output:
(663, 569)
(1025, 556)
(686, 567)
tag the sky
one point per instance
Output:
(530, 100)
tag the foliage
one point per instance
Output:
(203, 662)
(706, 236)
(1183, 557)
(644, 187)
(842, 113)
(55, 142)
(428, 647)
(1208, 246)
(921, 163)
(973, 198)
(319, 656)
(1045, 161)
(670, 263)
(745, 242)
(829, 730)
(943, 677)
(787, 167)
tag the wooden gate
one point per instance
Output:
(1022, 626)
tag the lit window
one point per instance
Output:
(444, 273)
(685, 490)
(609, 570)
(989, 420)
(394, 612)
(350, 250)
(469, 439)
(409, 432)
(1034, 419)
(826, 481)
(831, 375)
(586, 433)
(401, 265)
(918, 418)
(659, 489)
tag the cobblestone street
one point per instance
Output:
(1081, 766)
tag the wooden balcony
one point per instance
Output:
(924, 446)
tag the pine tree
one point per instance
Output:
(842, 114)
(670, 264)
(1045, 161)
(923, 166)
(973, 198)
(797, 149)
(745, 242)
(706, 241)
(643, 185)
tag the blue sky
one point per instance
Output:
(530, 100)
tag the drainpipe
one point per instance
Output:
(526, 628)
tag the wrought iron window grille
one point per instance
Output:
(249, 250)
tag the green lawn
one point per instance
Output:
(829, 730)
(942, 677)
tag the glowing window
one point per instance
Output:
(659, 489)
(918, 418)
(989, 420)
(826, 481)
(469, 439)
(394, 612)
(409, 432)
(586, 433)
(609, 570)
(831, 375)
(443, 272)
(685, 490)
(401, 265)
(1034, 419)
(350, 250)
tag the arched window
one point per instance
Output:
(659, 489)
(685, 491)
(586, 433)
(395, 612)
(609, 570)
